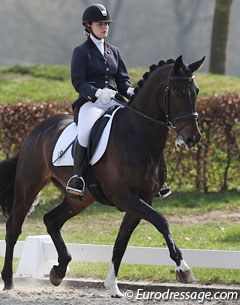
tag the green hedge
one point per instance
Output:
(16, 120)
(213, 165)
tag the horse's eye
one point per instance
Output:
(179, 93)
(193, 94)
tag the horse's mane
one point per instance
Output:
(146, 75)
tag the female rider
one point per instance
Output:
(98, 72)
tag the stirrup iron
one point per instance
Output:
(78, 188)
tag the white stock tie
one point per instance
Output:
(99, 44)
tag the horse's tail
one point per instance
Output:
(7, 180)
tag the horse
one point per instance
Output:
(129, 173)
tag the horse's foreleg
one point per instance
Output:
(54, 220)
(183, 271)
(128, 225)
(142, 210)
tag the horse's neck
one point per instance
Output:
(150, 98)
(143, 102)
(149, 133)
(148, 102)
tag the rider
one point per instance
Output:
(98, 72)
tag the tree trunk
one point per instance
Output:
(220, 36)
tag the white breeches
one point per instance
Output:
(88, 115)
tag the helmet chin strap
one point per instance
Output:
(89, 31)
(95, 35)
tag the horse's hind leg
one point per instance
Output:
(128, 225)
(23, 198)
(54, 220)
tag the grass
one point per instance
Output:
(22, 84)
(99, 225)
(213, 84)
(35, 84)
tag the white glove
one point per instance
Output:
(130, 91)
(105, 94)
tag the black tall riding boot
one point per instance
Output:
(76, 183)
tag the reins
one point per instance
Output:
(117, 99)
(169, 121)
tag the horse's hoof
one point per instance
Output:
(185, 277)
(114, 290)
(54, 278)
(117, 296)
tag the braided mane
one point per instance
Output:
(146, 75)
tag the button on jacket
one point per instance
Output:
(90, 70)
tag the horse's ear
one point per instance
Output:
(178, 64)
(196, 65)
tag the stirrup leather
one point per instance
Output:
(76, 187)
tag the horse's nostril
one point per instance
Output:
(191, 141)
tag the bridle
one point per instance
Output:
(193, 116)
(169, 122)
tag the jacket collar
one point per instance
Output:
(95, 50)
(96, 41)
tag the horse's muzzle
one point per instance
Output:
(189, 142)
(192, 141)
(188, 137)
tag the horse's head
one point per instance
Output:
(172, 85)
(180, 98)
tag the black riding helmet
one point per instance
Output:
(95, 13)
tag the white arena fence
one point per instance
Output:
(37, 255)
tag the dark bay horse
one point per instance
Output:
(130, 172)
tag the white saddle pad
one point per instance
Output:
(68, 136)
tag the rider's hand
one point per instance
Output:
(105, 94)
(130, 91)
